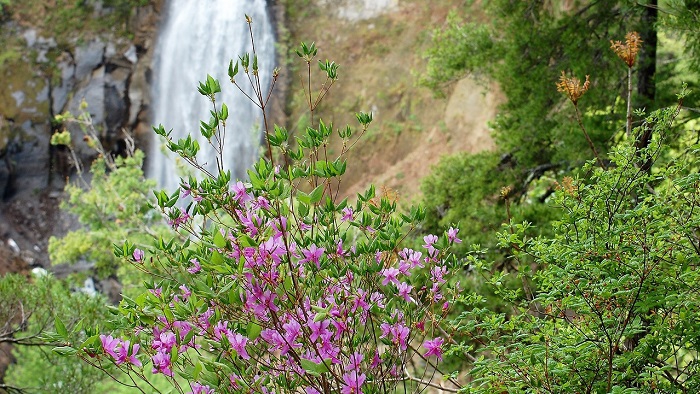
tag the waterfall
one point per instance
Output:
(200, 38)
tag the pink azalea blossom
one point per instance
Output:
(196, 267)
(354, 362)
(352, 383)
(390, 275)
(312, 255)
(405, 291)
(240, 194)
(186, 293)
(434, 348)
(109, 345)
(238, 343)
(200, 389)
(138, 255)
(347, 214)
(161, 363)
(452, 235)
(429, 242)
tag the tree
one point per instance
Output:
(112, 204)
(525, 46)
(610, 306)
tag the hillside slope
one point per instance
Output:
(379, 46)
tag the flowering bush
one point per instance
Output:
(275, 284)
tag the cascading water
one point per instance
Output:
(200, 38)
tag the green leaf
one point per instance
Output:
(219, 239)
(313, 368)
(60, 327)
(253, 330)
(65, 350)
(246, 241)
(316, 194)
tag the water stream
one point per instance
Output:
(200, 37)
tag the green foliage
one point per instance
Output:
(611, 306)
(112, 206)
(115, 207)
(31, 307)
(683, 16)
(524, 46)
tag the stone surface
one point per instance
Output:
(59, 93)
(88, 58)
(110, 73)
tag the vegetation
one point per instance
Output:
(275, 284)
(604, 304)
(112, 207)
(525, 46)
(30, 308)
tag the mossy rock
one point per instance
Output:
(25, 94)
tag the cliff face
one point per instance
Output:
(47, 72)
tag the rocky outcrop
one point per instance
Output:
(109, 73)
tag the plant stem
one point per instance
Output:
(629, 102)
(590, 143)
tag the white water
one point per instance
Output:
(200, 37)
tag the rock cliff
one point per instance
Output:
(45, 76)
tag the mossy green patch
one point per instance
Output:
(22, 86)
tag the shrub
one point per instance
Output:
(276, 285)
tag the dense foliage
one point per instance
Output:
(606, 303)
(274, 284)
(524, 46)
(29, 309)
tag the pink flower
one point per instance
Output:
(109, 345)
(138, 255)
(352, 382)
(119, 350)
(429, 241)
(221, 330)
(240, 194)
(157, 291)
(238, 343)
(161, 363)
(292, 330)
(434, 348)
(313, 255)
(452, 235)
(405, 291)
(347, 214)
(132, 358)
(186, 293)
(390, 275)
(376, 360)
(166, 340)
(196, 267)
(233, 378)
(318, 328)
(200, 389)
(398, 332)
(355, 361)
(437, 274)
